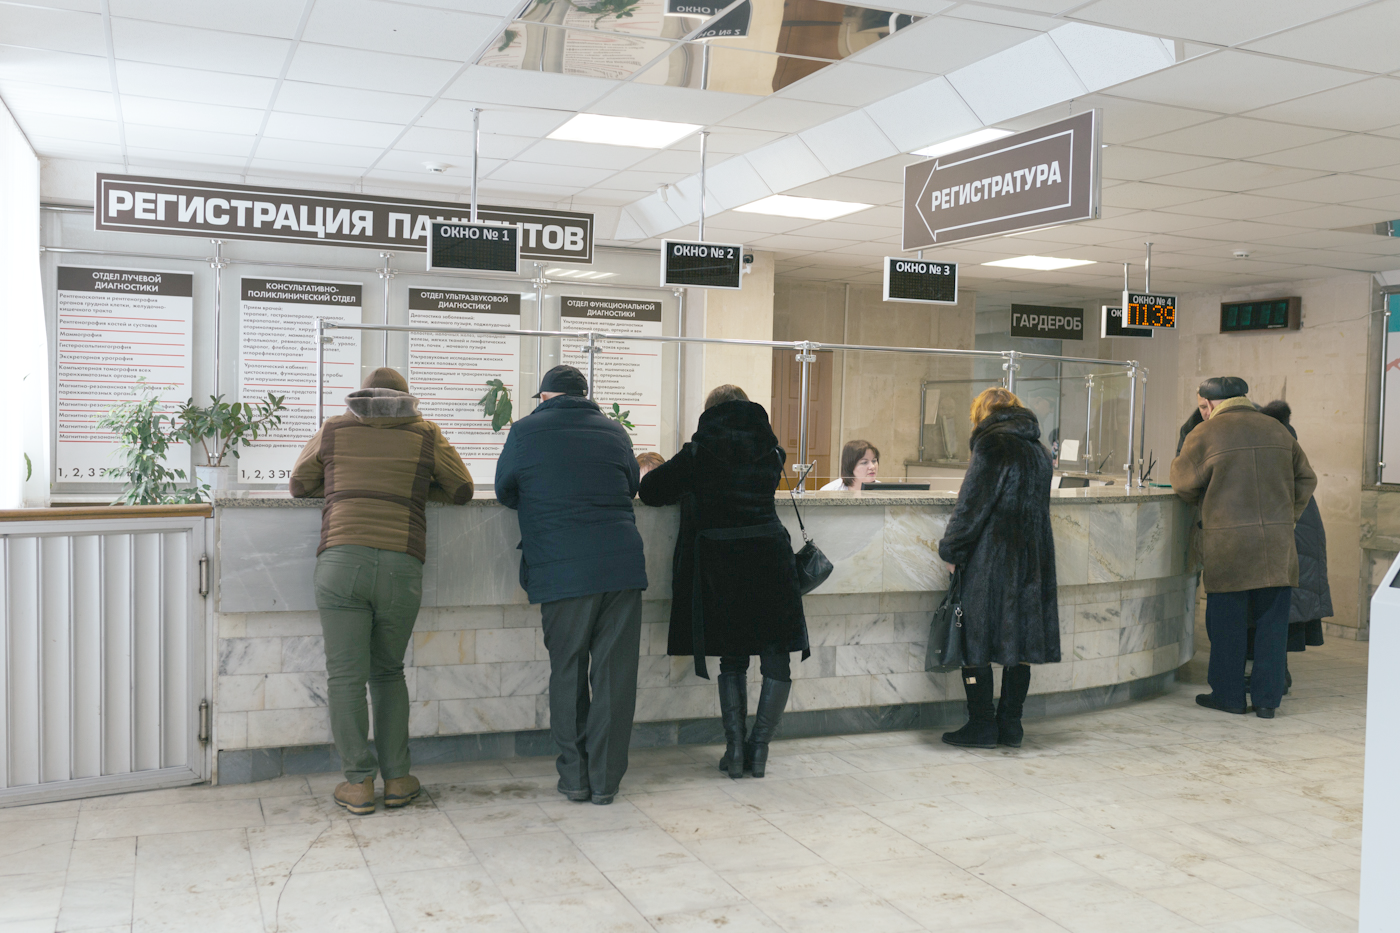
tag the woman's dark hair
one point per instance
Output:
(850, 456)
(1278, 409)
(725, 393)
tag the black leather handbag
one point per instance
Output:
(813, 567)
(945, 633)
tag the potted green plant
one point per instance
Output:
(220, 429)
(496, 403)
(145, 436)
(621, 417)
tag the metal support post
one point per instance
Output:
(1132, 418)
(1088, 421)
(680, 366)
(1142, 431)
(218, 263)
(1011, 366)
(1385, 377)
(386, 274)
(592, 351)
(806, 358)
(476, 155)
(321, 339)
(1147, 273)
(704, 140)
(540, 283)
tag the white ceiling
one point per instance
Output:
(1271, 124)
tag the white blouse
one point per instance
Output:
(835, 485)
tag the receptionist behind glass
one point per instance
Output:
(860, 463)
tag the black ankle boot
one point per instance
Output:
(772, 700)
(1015, 681)
(733, 710)
(981, 728)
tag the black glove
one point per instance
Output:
(1186, 429)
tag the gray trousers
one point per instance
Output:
(593, 644)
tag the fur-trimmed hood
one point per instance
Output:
(384, 407)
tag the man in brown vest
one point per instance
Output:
(376, 466)
(1252, 481)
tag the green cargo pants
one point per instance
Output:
(369, 600)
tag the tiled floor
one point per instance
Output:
(1158, 816)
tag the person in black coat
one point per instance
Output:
(734, 589)
(570, 472)
(1000, 544)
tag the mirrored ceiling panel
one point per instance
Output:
(756, 46)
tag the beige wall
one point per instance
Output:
(1320, 370)
(746, 314)
(876, 395)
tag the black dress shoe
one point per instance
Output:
(1209, 701)
(1263, 712)
(577, 796)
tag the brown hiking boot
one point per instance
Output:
(399, 792)
(357, 798)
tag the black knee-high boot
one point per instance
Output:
(733, 710)
(772, 700)
(981, 728)
(1015, 681)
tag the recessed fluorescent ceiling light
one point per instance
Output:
(1039, 263)
(963, 142)
(784, 205)
(623, 131)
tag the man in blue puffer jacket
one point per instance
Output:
(571, 473)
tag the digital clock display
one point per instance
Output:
(1150, 310)
(1273, 314)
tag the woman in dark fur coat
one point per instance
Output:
(734, 589)
(999, 539)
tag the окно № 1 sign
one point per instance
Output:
(137, 204)
(1050, 323)
(479, 247)
(1033, 179)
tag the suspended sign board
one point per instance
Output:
(692, 264)
(1237, 317)
(1033, 179)
(733, 23)
(1112, 325)
(1145, 310)
(137, 204)
(1050, 323)
(479, 247)
(916, 280)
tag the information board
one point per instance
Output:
(479, 247)
(917, 280)
(277, 354)
(449, 372)
(692, 264)
(1051, 323)
(625, 372)
(117, 327)
(1111, 325)
(1146, 310)
(1274, 314)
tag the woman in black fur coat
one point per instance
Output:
(734, 589)
(999, 539)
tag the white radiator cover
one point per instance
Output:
(102, 660)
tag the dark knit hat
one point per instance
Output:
(385, 378)
(1219, 388)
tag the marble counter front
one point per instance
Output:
(478, 671)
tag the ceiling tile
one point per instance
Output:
(401, 29)
(183, 159)
(841, 188)
(847, 142)
(852, 84)
(172, 139)
(1236, 138)
(38, 27)
(1241, 231)
(317, 174)
(676, 104)
(212, 87)
(735, 182)
(317, 129)
(136, 40)
(58, 148)
(563, 175)
(512, 86)
(278, 18)
(405, 159)
(1031, 75)
(1210, 20)
(891, 169)
(587, 155)
(1149, 222)
(785, 116)
(1365, 105)
(1138, 164)
(1145, 195)
(1328, 215)
(670, 160)
(786, 164)
(22, 97)
(734, 141)
(193, 116)
(1363, 39)
(1125, 121)
(1343, 154)
(1231, 82)
(1238, 176)
(38, 123)
(376, 71)
(348, 103)
(642, 182)
(1334, 189)
(753, 224)
(456, 146)
(940, 44)
(1241, 207)
(457, 115)
(929, 113)
(300, 150)
(54, 69)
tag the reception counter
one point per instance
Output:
(478, 672)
